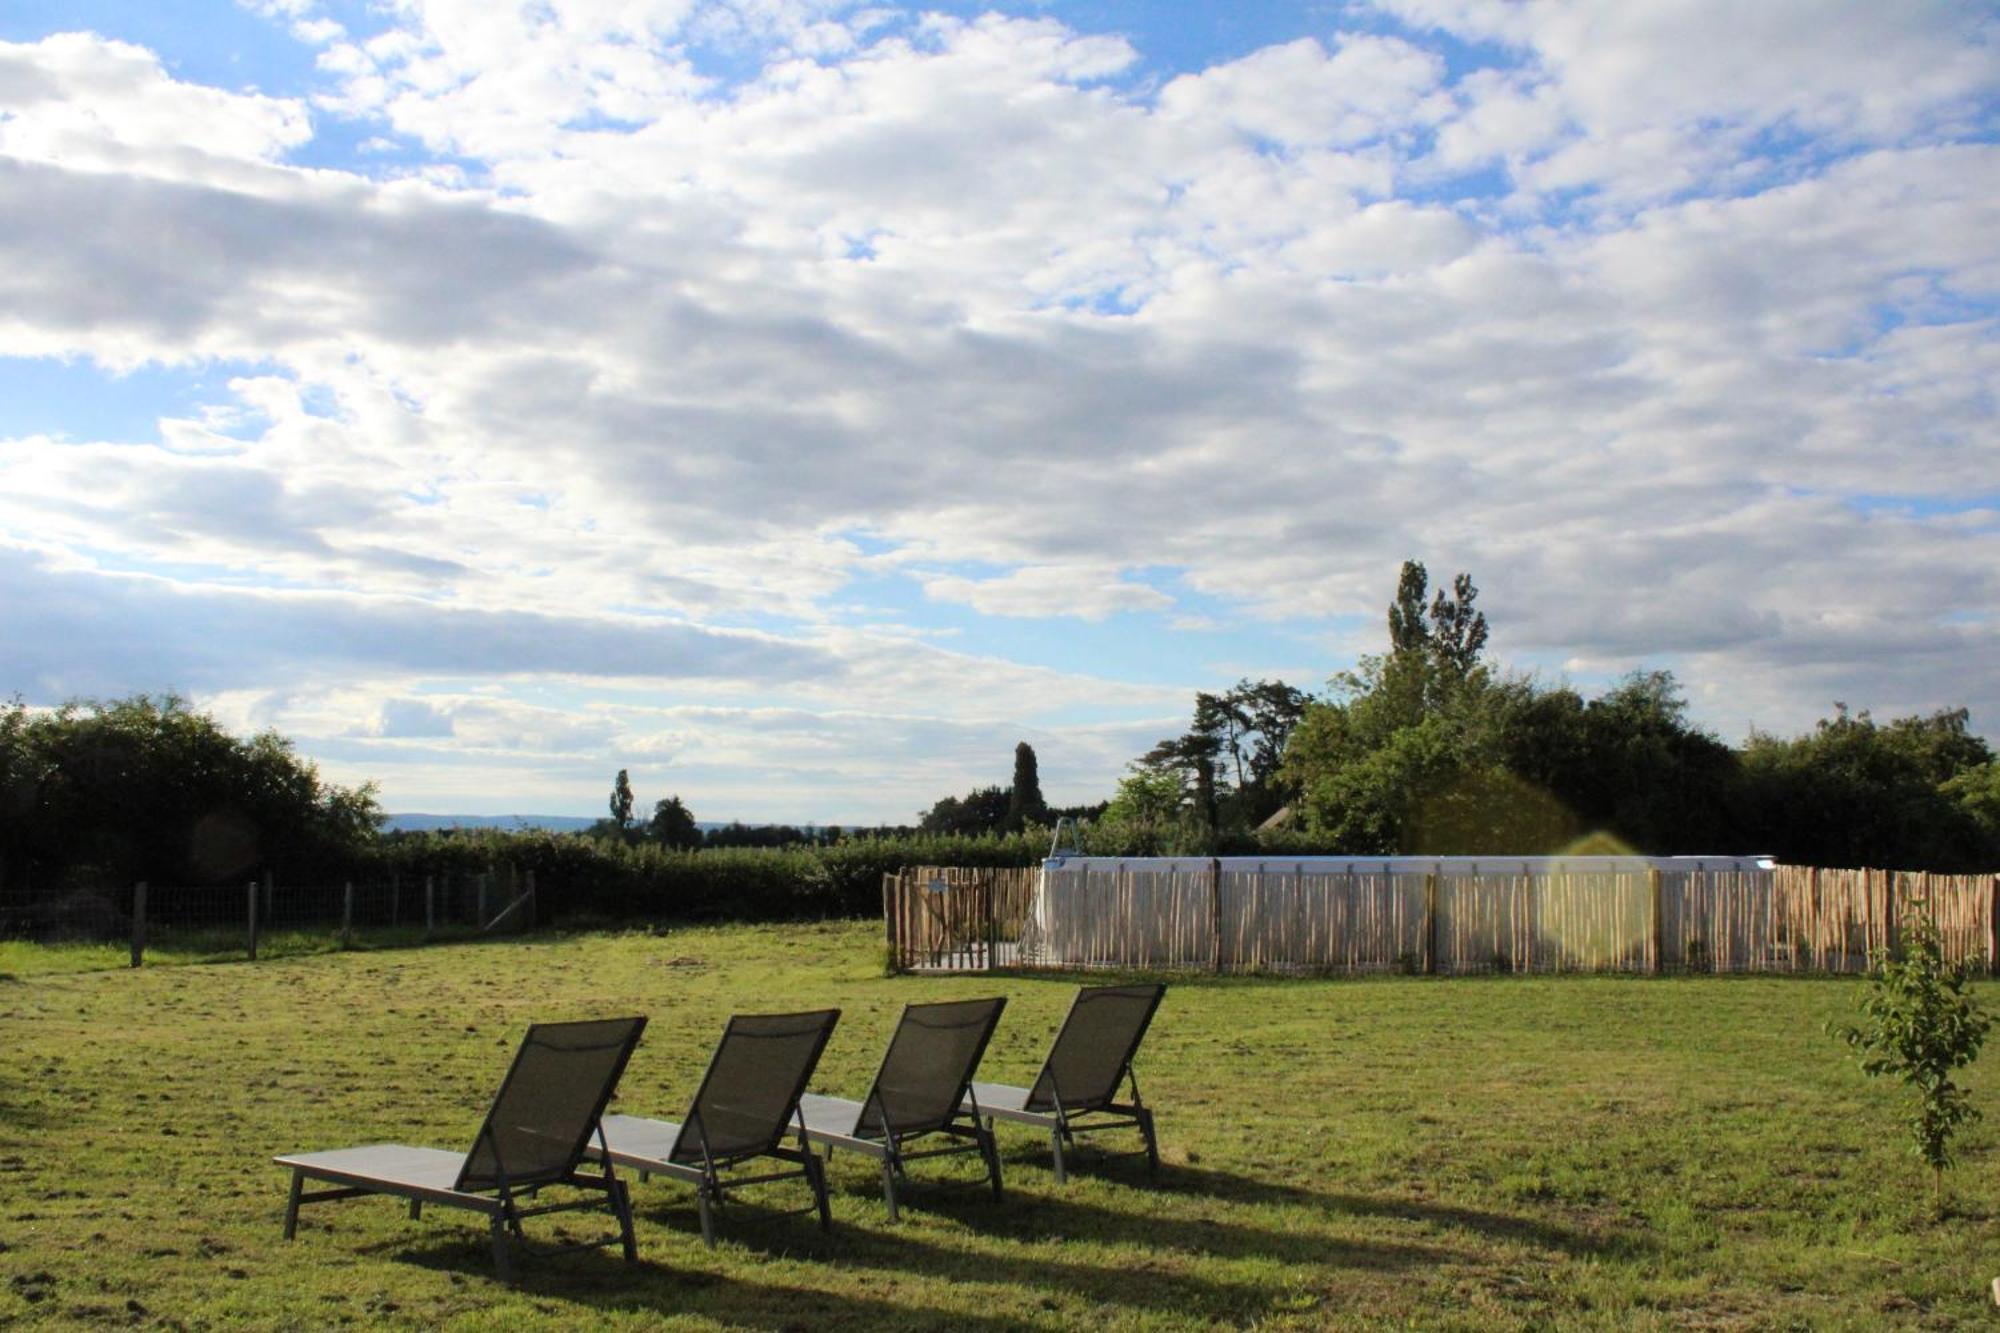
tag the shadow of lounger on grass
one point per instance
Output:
(1036, 1218)
(606, 1284)
(1159, 1282)
(771, 1227)
(1498, 1226)
(1035, 1207)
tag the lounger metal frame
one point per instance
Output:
(500, 1203)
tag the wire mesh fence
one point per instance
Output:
(165, 923)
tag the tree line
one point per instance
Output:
(1429, 747)
(1432, 748)
(150, 788)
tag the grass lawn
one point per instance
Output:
(1478, 1153)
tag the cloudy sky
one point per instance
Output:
(798, 402)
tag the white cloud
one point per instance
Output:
(1644, 101)
(91, 103)
(1048, 591)
(1299, 94)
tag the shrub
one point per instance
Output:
(1919, 1024)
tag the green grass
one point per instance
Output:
(1479, 1153)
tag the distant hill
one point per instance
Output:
(417, 823)
(557, 823)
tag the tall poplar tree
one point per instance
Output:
(621, 801)
(1024, 802)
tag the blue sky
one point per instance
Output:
(797, 403)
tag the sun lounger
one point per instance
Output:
(1076, 1091)
(920, 1090)
(747, 1103)
(551, 1103)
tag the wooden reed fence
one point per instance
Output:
(1276, 918)
(955, 918)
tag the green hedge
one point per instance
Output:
(577, 876)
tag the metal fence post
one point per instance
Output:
(533, 911)
(138, 922)
(252, 941)
(347, 914)
(430, 907)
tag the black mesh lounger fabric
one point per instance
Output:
(745, 1102)
(562, 1078)
(1094, 1048)
(930, 1062)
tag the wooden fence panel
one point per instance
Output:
(1486, 923)
(1279, 918)
(1960, 906)
(1828, 920)
(1375, 920)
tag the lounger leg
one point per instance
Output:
(1055, 1142)
(1152, 1143)
(503, 1255)
(416, 1209)
(292, 1205)
(816, 1177)
(889, 1189)
(621, 1203)
(991, 1152)
(707, 1217)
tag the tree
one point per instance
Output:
(1628, 763)
(1458, 633)
(1977, 792)
(981, 810)
(1437, 649)
(24, 772)
(148, 788)
(1401, 738)
(1272, 710)
(673, 825)
(1024, 799)
(1145, 816)
(1232, 755)
(1428, 749)
(621, 801)
(1919, 1024)
(1854, 792)
(1190, 759)
(1408, 632)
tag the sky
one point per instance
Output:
(799, 402)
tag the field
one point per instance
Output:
(1476, 1153)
